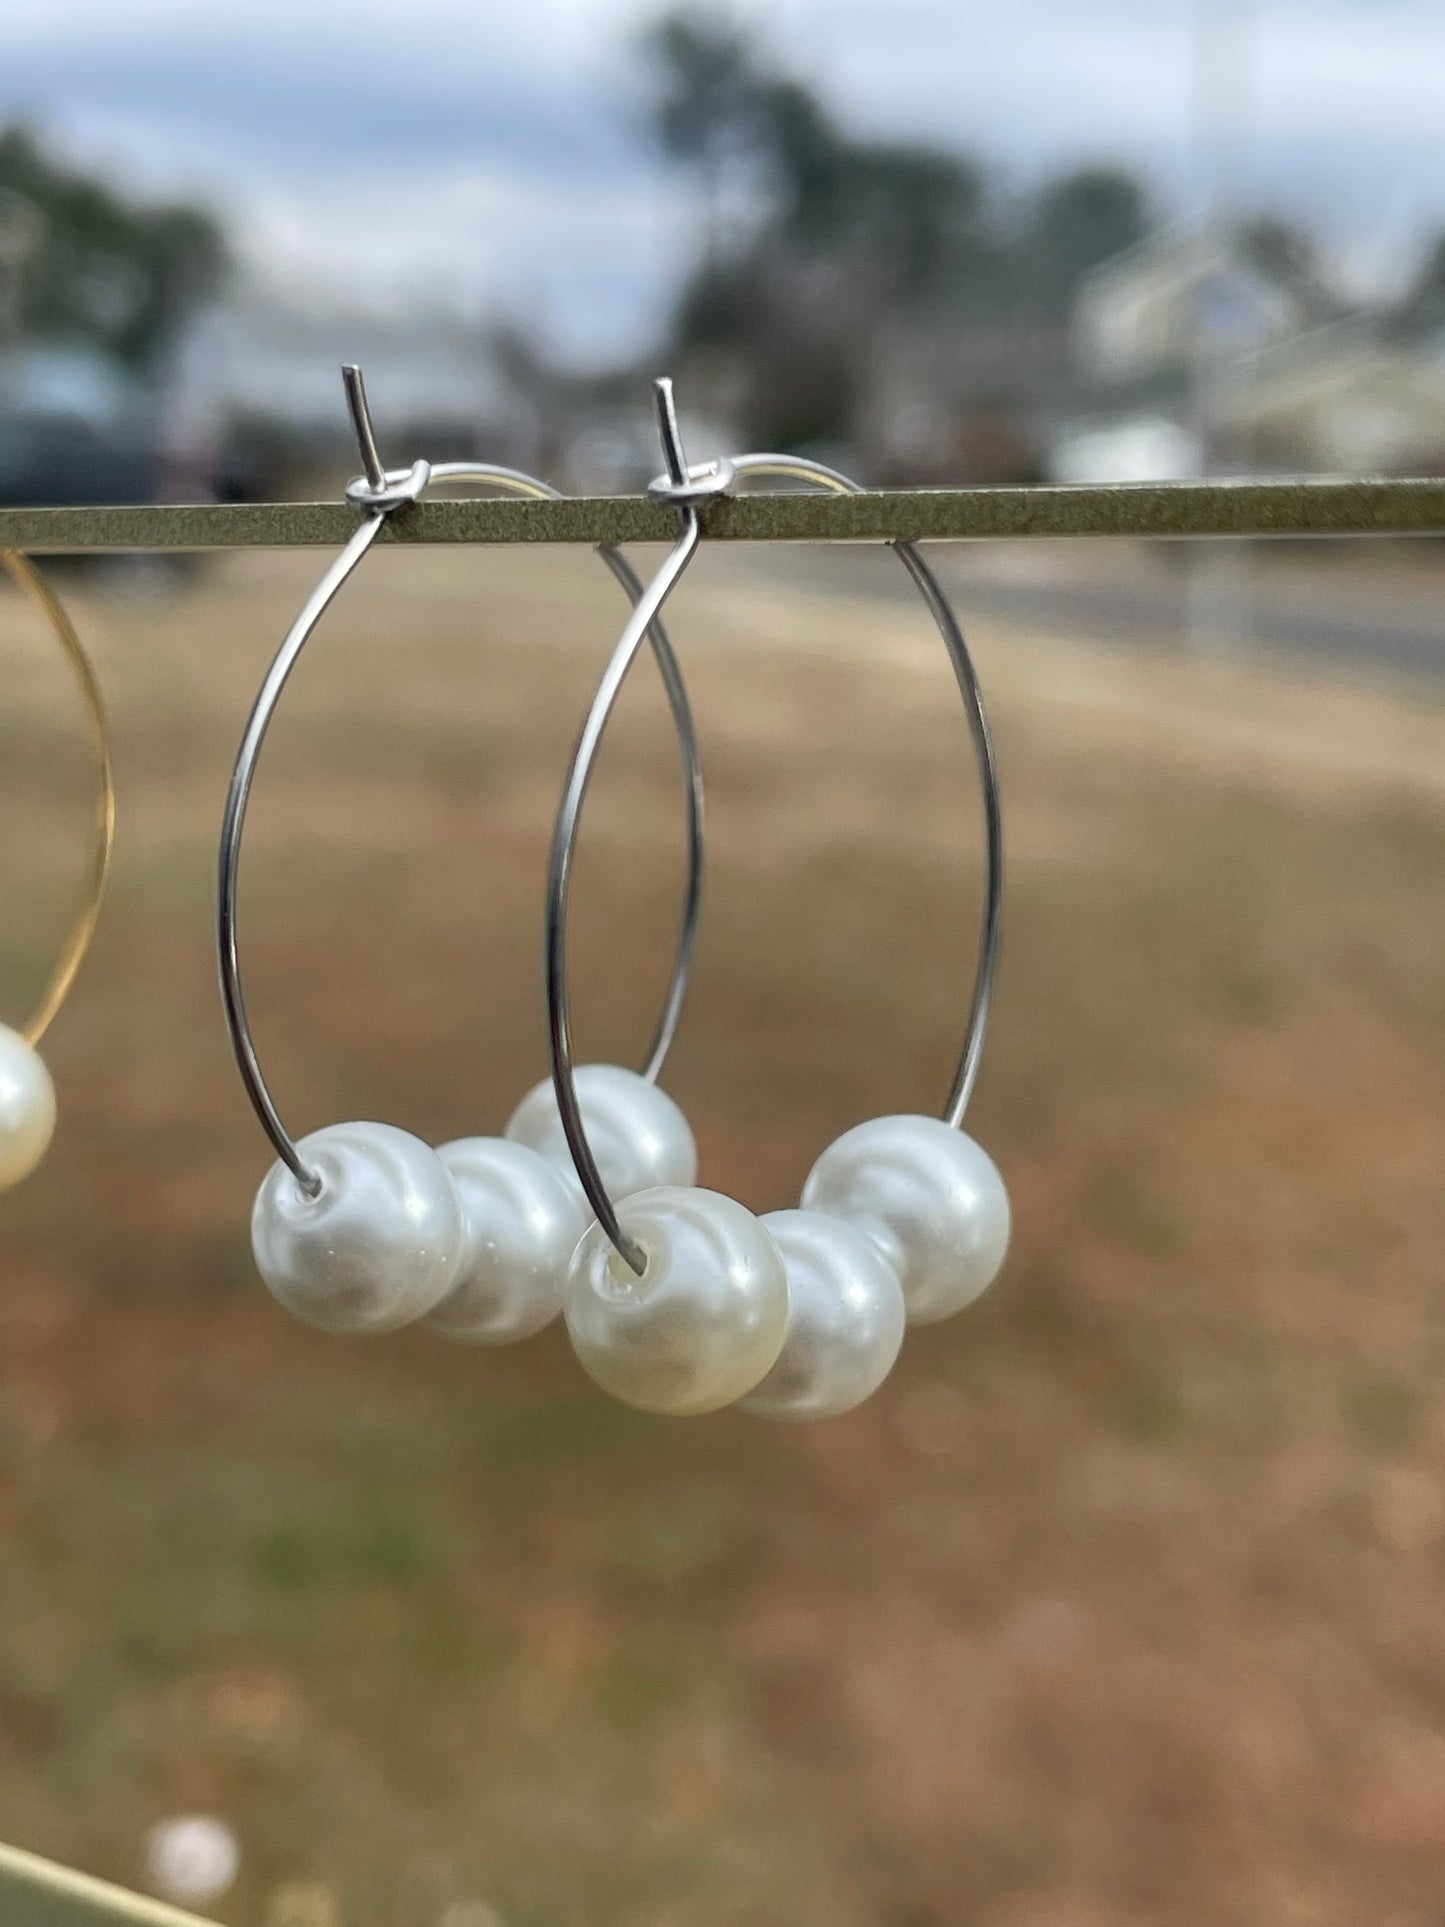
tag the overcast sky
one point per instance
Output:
(481, 149)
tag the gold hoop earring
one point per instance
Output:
(27, 1096)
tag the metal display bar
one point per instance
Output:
(38, 1893)
(1170, 509)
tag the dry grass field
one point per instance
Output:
(1120, 1606)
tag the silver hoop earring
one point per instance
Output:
(679, 1300)
(363, 1227)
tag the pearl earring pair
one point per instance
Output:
(676, 1299)
(27, 1095)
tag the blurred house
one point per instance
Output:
(1134, 448)
(1141, 382)
(1146, 321)
(261, 371)
(610, 445)
(1195, 355)
(257, 383)
(1354, 398)
(960, 399)
(1160, 335)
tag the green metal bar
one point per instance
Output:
(38, 1893)
(1173, 509)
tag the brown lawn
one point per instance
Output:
(1120, 1606)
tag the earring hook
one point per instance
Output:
(669, 432)
(360, 411)
(683, 484)
(381, 490)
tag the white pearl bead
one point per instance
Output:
(381, 1243)
(523, 1220)
(705, 1321)
(639, 1137)
(845, 1319)
(27, 1108)
(931, 1200)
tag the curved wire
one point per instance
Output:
(380, 494)
(797, 468)
(77, 939)
(684, 487)
(238, 795)
(516, 483)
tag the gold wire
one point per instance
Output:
(77, 939)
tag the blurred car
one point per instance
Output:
(76, 427)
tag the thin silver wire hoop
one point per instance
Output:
(686, 487)
(387, 490)
(233, 822)
(797, 468)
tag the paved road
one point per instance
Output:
(1403, 634)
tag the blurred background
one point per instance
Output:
(1119, 1604)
